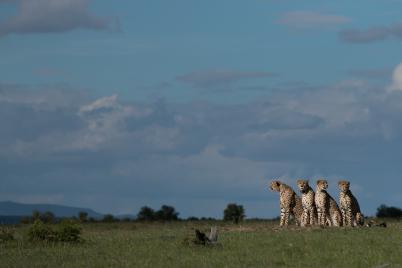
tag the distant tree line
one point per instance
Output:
(384, 211)
(232, 213)
(165, 213)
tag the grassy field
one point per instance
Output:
(257, 244)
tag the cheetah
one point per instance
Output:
(290, 203)
(327, 208)
(350, 208)
(308, 202)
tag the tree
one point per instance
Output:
(146, 214)
(35, 215)
(48, 217)
(233, 212)
(167, 213)
(83, 216)
(25, 220)
(109, 218)
(384, 211)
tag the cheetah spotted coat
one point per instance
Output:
(290, 203)
(327, 209)
(350, 208)
(308, 203)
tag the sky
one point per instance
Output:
(114, 105)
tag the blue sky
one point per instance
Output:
(197, 104)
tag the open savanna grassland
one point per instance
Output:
(249, 244)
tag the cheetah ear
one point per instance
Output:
(277, 183)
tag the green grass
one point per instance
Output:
(257, 244)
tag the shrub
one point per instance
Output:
(48, 217)
(6, 234)
(388, 212)
(65, 231)
(233, 212)
(25, 220)
(109, 218)
(146, 214)
(167, 213)
(83, 216)
(40, 232)
(68, 231)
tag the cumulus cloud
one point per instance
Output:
(213, 78)
(311, 19)
(50, 16)
(102, 103)
(372, 34)
(397, 79)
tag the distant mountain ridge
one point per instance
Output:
(9, 208)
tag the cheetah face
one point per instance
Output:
(322, 184)
(274, 186)
(303, 185)
(343, 186)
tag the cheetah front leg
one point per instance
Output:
(343, 211)
(284, 217)
(319, 215)
(347, 217)
(328, 218)
(336, 219)
(304, 217)
(312, 216)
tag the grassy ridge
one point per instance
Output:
(259, 244)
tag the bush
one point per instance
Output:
(146, 214)
(48, 217)
(25, 220)
(83, 216)
(41, 232)
(6, 234)
(233, 212)
(167, 213)
(109, 218)
(388, 212)
(66, 231)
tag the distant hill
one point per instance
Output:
(8, 208)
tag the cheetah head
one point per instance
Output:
(322, 184)
(274, 186)
(343, 186)
(303, 185)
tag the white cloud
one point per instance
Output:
(192, 153)
(396, 79)
(102, 103)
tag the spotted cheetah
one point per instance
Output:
(327, 208)
(308, 202)
(350, 208)
(290, 203)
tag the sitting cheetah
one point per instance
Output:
(308, 202)
(290, 203)
(327, 209)
(349, 206)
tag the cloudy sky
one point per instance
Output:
(196, 104)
